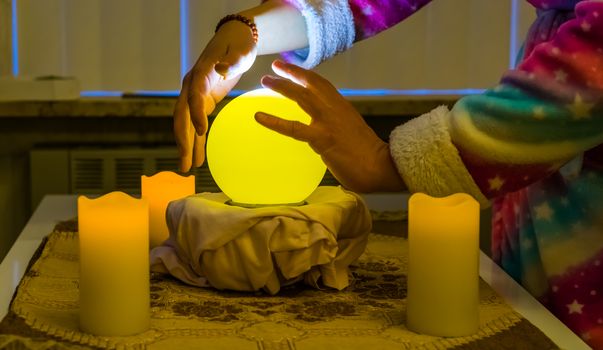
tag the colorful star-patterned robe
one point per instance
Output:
(531, 146)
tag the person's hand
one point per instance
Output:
(230, 53)
(352, 151)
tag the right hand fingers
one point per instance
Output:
(228, 55)
(203, 87)
(183, 128)
(200, 80)
(236, 63)
(181, 131)
(240, 52)
(199, 150)
(200, 103)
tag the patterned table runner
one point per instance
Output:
(370, 314)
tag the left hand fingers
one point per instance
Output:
(304, 77)
(305, 98)
(291, 128)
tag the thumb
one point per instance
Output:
(234, 64)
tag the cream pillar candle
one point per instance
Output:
(114, 264)
(443, 265)
(159, 190)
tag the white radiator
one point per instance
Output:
(101, 170)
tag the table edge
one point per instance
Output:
(40, 224)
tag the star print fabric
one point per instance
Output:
(514, 140)
(547, 219)
(549, 236)
(542, 114)
(374, 16)
(531, 145)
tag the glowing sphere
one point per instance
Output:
(257, 166)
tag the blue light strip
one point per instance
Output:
(344, 92)
(413, 92)
(157, 93)
(100, 93)
(15, 40)
(139, 93)
(183, 38)
(513, 49)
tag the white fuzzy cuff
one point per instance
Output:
(428, 161)
(330, 26)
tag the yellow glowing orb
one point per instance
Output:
(257, 166)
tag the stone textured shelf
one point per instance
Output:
(115, 107)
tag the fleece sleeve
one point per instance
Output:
(541, 115)
(334, 25)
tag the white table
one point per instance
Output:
(57, 208)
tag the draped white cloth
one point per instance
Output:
(215, 244)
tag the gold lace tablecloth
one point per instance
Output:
(370, 314)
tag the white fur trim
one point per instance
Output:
(330, 26)
(428, 161)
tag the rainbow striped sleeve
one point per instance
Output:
(541, 115)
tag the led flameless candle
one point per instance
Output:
(159, 190)
(443, 265)
(253, 165)
(114, 264)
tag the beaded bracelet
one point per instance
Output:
(243, 19)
